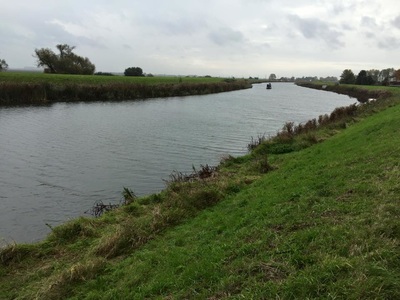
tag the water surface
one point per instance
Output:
(56, 161)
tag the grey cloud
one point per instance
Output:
(389, 43)
(225, 36)
(312, 28)
(368, 22)
(370, 35)
(396, 22)
(345, 6)
(174, 26)
(57, 34)
(90, 42)
(346, 27)
(385, 39)
(179, 27)
(338, 8)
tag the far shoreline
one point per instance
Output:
(44, 89)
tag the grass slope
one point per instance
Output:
(323, 224)
(35, 77)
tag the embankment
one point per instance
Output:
(317, 222)
(25, 93)
(360, 93)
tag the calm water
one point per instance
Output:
(57, 161)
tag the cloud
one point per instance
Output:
(381, 34)
(312, 28)
(70, 33)
(396, 22)
(178, 36)
(389, 43)
(179, 26)
(369, 22)
(370, 35)
(338, 8)
(225, 36)
(344, 7)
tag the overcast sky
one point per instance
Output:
(238, 38)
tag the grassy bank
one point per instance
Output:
(38, 88)
(361, 93)
(310, 213)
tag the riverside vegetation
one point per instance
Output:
(311, 213)
(25, 88)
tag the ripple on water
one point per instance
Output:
(56, 161)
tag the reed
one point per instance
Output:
(28, 93)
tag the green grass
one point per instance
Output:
(34, 77)
(321, 223)
(43, 89)
(361, 92)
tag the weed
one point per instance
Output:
(12, 253)
(255, 142)
(99, 208)
(72, 230)
(134, 209)
(79, 272)
(129, 196)
(204, 198)
(262, 165)
(201, 174)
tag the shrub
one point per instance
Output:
(255, 142)
(133, 71)
(204, 197)
(262, 164)
(129, 195)
(70, 231)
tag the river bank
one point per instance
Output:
(43, 89)
(59, 159)
(361, 93)
(316, 220)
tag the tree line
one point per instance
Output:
(370, 77)
(272, 77)
(65, 61)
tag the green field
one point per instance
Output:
(26, 88)
(312, 213)
(35, 77)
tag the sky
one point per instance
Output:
(228, 38)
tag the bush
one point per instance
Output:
(134, 71)
(255, 142)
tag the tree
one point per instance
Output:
(385, 75)
(374, 74)
(3, 65)
(272, 77)
(347, 77)
(329, 79)
(133, 71)
(364, 79)
(397, 75)
(66, 62)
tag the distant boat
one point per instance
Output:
(269, 86)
